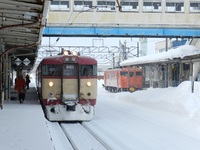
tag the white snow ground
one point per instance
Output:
(152, 119)
(23, 127)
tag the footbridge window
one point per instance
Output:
(105, 5)
(129, 5)
(152, 6)
(194, 7)
(61, 5)
(174, 6)
(83, 5)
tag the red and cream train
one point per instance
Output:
(67, 87)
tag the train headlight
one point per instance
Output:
(50, 83)
(66, 52)
(74, 53)
(89, 84)
(131, 89)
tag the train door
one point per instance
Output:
(124, 79)
(139, 79)
(132, 80)
(135, 79)
(70, 84)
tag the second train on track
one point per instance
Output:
(123, 79)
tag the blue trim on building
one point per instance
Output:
(121, 32)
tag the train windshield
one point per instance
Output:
(69, 70)
(124, 73)
(138, 73)
(88, 70)
(51, 70)
(131, 74)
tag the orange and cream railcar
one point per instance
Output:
(67, 87)
(123, 79)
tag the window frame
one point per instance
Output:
(149, 6)
(128, 6)
(74, 69)
(104, 5)
(172, 7)
(83, 6)
(195, 9)
(124, 73)
(59, 5)
(87, 66)
(46, 70)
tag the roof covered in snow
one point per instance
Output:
(180, 52)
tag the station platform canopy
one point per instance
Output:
(21, 27)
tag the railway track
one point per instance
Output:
(75, 136)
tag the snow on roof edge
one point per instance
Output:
(180, 52)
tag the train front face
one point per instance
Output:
(69, 94)
(135, 79)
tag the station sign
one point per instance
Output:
(18, 61)
(26, 61)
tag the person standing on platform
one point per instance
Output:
(27, 81)
(20, 88)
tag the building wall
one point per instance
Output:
(196, 43)
(161, 46)
(97, 13)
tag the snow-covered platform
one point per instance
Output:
(23, 126)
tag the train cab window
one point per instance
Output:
(131, 74)
(51, 70)
(88, 70)
(138, 73)
(69, 70)
(124, 73)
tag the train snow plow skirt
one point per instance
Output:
(60, 113)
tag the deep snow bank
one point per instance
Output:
(179, 100)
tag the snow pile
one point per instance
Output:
(179, 100)
(181, 52)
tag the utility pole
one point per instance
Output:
(138, 51)
(113, 60)
(124, 54)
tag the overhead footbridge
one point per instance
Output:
(21, 27)
(124, 18)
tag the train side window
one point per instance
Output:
(69, 70)
(88, 70)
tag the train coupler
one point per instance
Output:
(71, 106)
